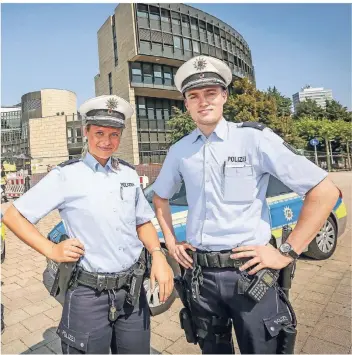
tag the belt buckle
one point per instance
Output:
(214, 259)
(237, 263)
(101, 282)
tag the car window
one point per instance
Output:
(178, 199)
(276, 187)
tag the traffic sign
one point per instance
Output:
(314, 142)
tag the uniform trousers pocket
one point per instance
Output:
(275, 324)
(73, 338)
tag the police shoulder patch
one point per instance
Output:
(255, 125)
(68, 162)
(127, 164)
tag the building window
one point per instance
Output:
(136, 72)
(115, 53)
(167, 76)
(177, 42)
(142, 10)
(194, 24)
(186, 26)
(176, 18)
(158, 77)
(187, 44)
(110, 84)
(154, 17)
(69, 135)
(152, 132)
(165, 20)
(79, 134)
(202, 30)
(196, 48)
(141, 108)
(147, 73)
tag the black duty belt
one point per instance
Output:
(101, 281)
(219, 259)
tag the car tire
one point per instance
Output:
(153, 299)
(325, 242)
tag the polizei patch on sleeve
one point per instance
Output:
(292, 149)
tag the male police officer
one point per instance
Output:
(225, 167)
(108, 220)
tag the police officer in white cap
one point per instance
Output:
(107, 219)
(226, 167)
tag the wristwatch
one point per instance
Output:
(287, 250)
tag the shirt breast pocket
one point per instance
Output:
(128, 196)
(239, 183)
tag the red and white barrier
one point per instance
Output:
(14, 187)
(144, 181)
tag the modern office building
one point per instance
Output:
(10, 130)
(140, 48)
(319, 95)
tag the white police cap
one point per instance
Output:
(106, 110)
(202, 71)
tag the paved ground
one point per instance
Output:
(321, 295)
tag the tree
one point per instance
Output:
(309, 108)
(324, 129)
(344, 131)
(283, 103)
(335, 111)
(181, 124)
(249, 104)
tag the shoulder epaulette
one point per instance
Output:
(252, 124)
(69, 162)
(127, 164)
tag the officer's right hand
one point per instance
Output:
(69, 250)
(178, 252)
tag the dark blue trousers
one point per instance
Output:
(86, 329)
(256, 325)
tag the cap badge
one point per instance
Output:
(200, 64)
(111, 104)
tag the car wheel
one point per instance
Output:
(324, 244)
(153, 297)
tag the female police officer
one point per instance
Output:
(108, 220)
(226, 169)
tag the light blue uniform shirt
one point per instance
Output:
(226, 178)
(100, 206)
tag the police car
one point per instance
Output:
(284, 206)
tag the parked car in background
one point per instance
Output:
(284, 206)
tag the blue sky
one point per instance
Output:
(55, 46)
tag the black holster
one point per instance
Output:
(286, 340)
(287, 273)
(57, 277)
(137, 278)
(186, 321)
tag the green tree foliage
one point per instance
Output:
(180, 125)
(335, 111)
(283, 103)
(309, 108)
(249, 104)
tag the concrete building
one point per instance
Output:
(140, 48)
(11, 131)
(320, 95)
(50, 128)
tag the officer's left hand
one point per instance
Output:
(163, 274)
(265, 256)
